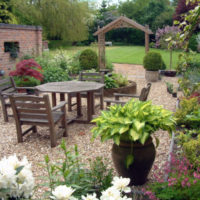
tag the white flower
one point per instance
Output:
(111, 194)
(89, 197)
(62, 192)
(121, 184)
(19, 184)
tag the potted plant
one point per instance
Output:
(131, 127)
(152, 63)
(169, 87)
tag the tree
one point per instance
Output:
(6, 15)
(60, 19)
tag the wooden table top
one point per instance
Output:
(69, 86)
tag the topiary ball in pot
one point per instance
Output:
(152, 63)
(88, 59)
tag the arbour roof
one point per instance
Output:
(122, 22)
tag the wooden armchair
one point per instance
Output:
(7, 87)
(35, 110)
(142, 97)
(85, 76)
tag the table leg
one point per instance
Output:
(53, 99)
(90, 106)
(78, 101)
(62, 97)
(93, 103)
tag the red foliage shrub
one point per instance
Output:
(28, 68)
(183, 8)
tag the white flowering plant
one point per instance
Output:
(115, 192)
(16, 178)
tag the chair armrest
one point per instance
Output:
(60, 105)
(125, 95)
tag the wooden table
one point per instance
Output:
(77, 87)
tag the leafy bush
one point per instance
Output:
(88, 59)
(109, 65)
(190, 82)
(27, 73)
(115, 80)
(187, 107)
(71, 172)
(191, 150)
(55, 74)
(109, 82)
(74, 64)
(193, 43)
(153, 61)
(120, 80)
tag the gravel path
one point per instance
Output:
(36, 146)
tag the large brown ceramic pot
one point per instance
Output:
(144, 156)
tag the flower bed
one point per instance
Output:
(131, 88)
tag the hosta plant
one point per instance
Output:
(135, 121)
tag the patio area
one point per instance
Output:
(36, 146)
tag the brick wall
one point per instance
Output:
(28, 37)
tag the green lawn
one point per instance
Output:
(135, 55)
(126, 54)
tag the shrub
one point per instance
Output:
(182, 184)
(55, 74)
(109, 82)
(88, 59)
(74, 64)
(27, 73)
(153, 61)
(72, 173)
(192, 152)
(109, 65)
(187, 107)
(120, 80)
(193, 43)
(165, 33)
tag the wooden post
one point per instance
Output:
(146, 40)
(101, 45)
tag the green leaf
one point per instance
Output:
(157, 141)
(129, 160)
(123, 129)
(116, 139)
(19, 169)
(138, 125)
(144, 137)
(134, 134)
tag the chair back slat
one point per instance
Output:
(5, 84)
(96, 77)
(145, 92)
(31, 107)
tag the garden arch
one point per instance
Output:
(121, 22)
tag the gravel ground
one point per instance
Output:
(36, 146)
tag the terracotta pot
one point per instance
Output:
(144, 156)
(152, 76)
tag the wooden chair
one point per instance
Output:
(35, 110)
(8, 86)
(142, 97)
(85, 76)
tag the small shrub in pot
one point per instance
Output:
(152, 63)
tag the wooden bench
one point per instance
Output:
(108, 43)
(142, 97)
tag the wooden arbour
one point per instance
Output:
(121, 22)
